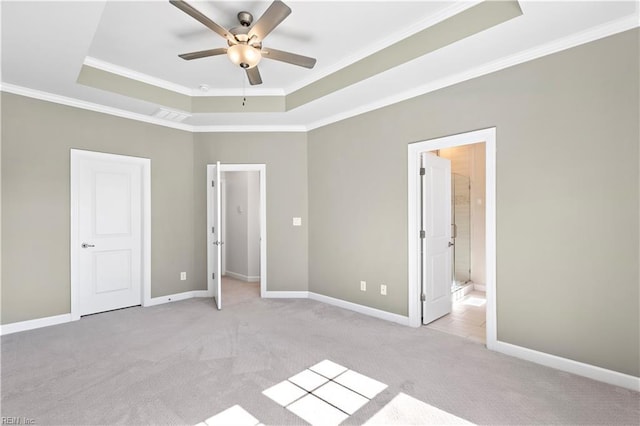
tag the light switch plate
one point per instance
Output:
(183, 276)
(383, 289)
(297, 221)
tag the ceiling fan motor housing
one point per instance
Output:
(245, 18)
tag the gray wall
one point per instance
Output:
(567, 199)
(285, 156)
(36, 139)
(568, 192)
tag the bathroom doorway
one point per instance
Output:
(419, 178)
(468, 312)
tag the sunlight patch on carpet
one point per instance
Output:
(406, 410)
(234, 416)
(325, 394)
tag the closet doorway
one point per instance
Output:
(236, 230)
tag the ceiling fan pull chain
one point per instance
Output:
(244, 85)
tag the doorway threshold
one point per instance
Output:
(467, 318)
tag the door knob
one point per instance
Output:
(451, 244)
(85, 245)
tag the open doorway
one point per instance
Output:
(236, 232)
(424, 172)
(240, 220)
(467, 197)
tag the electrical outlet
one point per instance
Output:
(363, 286)
(183, 276)
(383, 289)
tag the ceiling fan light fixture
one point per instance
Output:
(244, 55)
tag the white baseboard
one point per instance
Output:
(568, 365)
(286, 295)
(246, 278)
(34, 323)
(178, 296)
(366, 310)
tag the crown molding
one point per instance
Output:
(177, 88)
(77, 103)
(410, 30)
(587, 36)
(135, 75)
(601, 31)
(251, 129)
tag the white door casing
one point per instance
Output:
(110, 241)
(436, 224)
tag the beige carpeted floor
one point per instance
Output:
(183, 362)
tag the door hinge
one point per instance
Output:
(423, 234)
(213, 229)
(213, 183)
(213, 276)
(422, 171)
(423, 297)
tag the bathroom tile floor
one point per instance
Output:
(467, 318)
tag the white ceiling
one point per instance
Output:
(45, 44)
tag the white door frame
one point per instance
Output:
(145, 163)
(488, 136)
(262, 170)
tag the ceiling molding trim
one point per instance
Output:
(598, 32)
(444, 14)
(481, 17)
(90, 106)
(164, 84)
(76, 103)
(248, 91)
(251, 129)
(587, 36)
(135, 75)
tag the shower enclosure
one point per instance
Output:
(461, 232)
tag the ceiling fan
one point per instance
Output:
(245, 42)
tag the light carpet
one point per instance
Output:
(184, 362)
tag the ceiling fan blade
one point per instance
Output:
(199, 16)
(203, 53)
(270, 19)
(254, 76)
(288, 57)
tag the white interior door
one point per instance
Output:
(214, 252)
(110, 233)
(436, 247)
